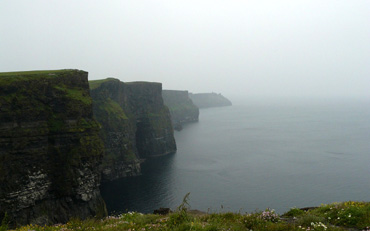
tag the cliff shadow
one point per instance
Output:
(143, 193)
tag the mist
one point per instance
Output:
(293, 49)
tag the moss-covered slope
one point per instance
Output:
(135, 124)
(49, 147)
(181, 107)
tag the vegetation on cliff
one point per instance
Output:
(117, 129)
(332, 217)
(135, 124)
(49, 147)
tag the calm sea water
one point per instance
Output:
(256, 155)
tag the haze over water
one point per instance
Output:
(258, 154)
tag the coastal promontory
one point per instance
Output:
(136, 125)
(50, 150)
(181, 107)
(205, 100)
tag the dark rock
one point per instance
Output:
(308, 208)
(135, 124)
(162, 211)
(50, 150)
(178, 127)
(181, 108)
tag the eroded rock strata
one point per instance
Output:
(50, 150)
(181, 107)
(135, 124)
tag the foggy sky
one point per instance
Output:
(237, 47)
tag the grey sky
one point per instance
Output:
(237, 47)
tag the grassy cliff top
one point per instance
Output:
(176, 91)
(96, 83)
(142, 82)
(9, 77)
(332, 217)
(44, 95)
(37, 72)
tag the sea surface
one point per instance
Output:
(255, 155)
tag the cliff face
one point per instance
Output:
(154, 132)
(181, 107)
(135, 124)
(50, 150)
(204, 100)
(118, 129)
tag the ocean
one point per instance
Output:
(255, 155)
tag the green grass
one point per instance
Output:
(36, 72)
(4, 223)
(10, 77)
(112, 108)
(96, 83)
(184, 219)
(348, 214)
(294, 212)
(75, 94)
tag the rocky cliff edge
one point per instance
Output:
(50, 150)
(135, 124)
(181, 107)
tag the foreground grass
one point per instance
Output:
(337, 216)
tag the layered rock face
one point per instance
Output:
(154, 132)
(135, 124)
(204, 100)
(181, 107)
(118, 129)
(50, 150)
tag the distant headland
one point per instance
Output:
(205, 100)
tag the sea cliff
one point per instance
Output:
(204, 100)
(181, 107)
(50, 150)
(135, 124)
